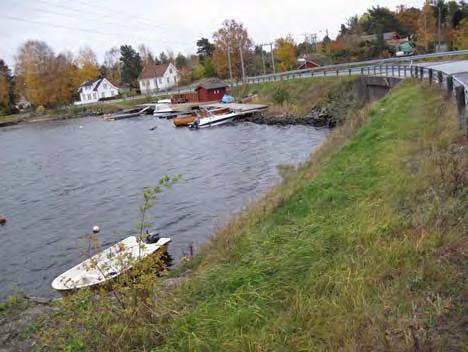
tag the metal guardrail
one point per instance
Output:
(274, 76)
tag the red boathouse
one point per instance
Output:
(211, 90)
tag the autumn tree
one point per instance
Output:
(88, 68)
(62, 87)
(285, 52)
(460, 36)
(408, 17)
(427, 27)
(33, 69)
(131, 65)
(234, 37)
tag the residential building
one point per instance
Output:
(155, 77)
(93, 91)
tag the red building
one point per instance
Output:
(211, 90)
(306, 63)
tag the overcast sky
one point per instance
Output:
(166, 24)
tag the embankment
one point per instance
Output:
(362, 248)
(319, 101)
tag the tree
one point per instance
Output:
(131, 65)
(460, 36)
(6, 88)
(408, 17)
(163, 58)
(234, 37)
(285, 52)
(63, 86)
(146, 55)
(427, 27)
(33, 70)
(205, 48)
(112, 64)
(180, 60)
(380, 18)
(88, 68)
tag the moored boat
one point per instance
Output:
(214, 120)
(110, 263)
(187, 120)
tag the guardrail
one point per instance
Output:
(454, 86)
(312, 71)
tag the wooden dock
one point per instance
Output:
(241, 108)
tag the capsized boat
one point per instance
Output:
(110, 263)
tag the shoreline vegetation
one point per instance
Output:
(321, 102)
(363, 247)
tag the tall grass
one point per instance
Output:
(363, 248)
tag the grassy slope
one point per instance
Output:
(302, 94)
(368, 254)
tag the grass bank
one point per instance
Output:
(363, 248)
(301, 99)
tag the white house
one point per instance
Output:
(92, 91)
(157, 77)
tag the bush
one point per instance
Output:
(40, 109)
(280, 95)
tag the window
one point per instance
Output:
(160, 80)
(168, 80)
(105, 85)
(89, 96)
(103, 95)
(94, 96)
(170, 71)
(175, 79)
(155, 82)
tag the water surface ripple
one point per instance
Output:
(60, 178)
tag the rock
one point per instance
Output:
(2, 220)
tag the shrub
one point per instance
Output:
(280, 95)
(40, 109)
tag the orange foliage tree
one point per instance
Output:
(427, 27)
(232, 35)
(285, 52)
(88, 68)
(460, 36)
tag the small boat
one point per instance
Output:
(125, 114)
(163, 109)
(214, 120)
(186, 120)
(110, 263)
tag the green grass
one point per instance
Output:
(363, 248)
(360, 257)
(297, 96)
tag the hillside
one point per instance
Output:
(363, 248)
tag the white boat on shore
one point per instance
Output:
(109, 264)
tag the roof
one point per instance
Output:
(212, 84)
(386, 36)
(152, 70)
(93, 84)
(303, 62)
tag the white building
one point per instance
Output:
(92, 91)
(154, 78)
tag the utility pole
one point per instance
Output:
(439, 20)
(272, 57)
(263, 60)
(242, 61)
(229, 59)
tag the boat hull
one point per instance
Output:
(104, 267)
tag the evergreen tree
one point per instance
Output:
(131, 65)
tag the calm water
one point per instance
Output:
(58, 179)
